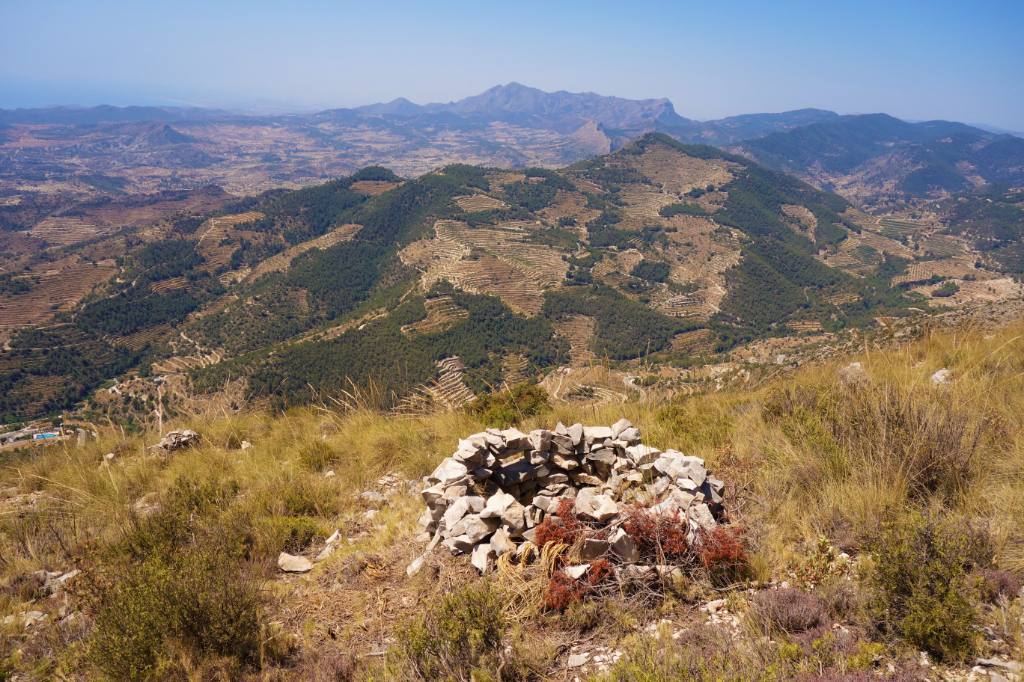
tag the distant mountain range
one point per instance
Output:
(867, 158)
(515, 104)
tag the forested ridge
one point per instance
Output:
(272, 329)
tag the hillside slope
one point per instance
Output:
(467, 278)
(881, 508)
(874, 157)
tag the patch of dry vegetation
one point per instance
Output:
(893, 508)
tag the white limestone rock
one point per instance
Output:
(624, 546)
(460, 507)
(483, 557)
(289, 563)
(620, 426)
(594, 506)
(448, 471)
(576, 572)
(501, 542)
(473, 528)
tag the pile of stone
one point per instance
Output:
(489, 497)
(177, 440)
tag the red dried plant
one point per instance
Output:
(561, 590)
(563, 526)
(723, 553)
(659, 537)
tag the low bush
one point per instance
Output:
(507, 408)
(788, 610)
(563, 527)
(922, 441)
(562, 591)
(922, 587)
(301, 495)
(292, 534)
(177, 586)
(704, 654)
(460, 639)
(198, 600)
(994, 583)
(317, 455)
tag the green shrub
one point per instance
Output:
(197, 599)
(185, 503)
(922, 588)
(177, 586)
(298, 494)
(506, 408)
(460, 639)
(292, 534)
(931, 444)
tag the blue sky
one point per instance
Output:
(955, 60)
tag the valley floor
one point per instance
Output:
(882, 508)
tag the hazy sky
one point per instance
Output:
(954, 60)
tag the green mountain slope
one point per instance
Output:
(455, 282)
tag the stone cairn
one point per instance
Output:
(488, 498)
(177, 440)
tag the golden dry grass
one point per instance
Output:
(805, 456)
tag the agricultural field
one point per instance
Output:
(442, 313)
(218, 238)
(578, 330)
(499, 260)
(479, 202)
(898, 229)
(951, 268)
(973, 292)
(53, 287)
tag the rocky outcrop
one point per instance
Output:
(489, 497)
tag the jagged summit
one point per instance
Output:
(562, 110)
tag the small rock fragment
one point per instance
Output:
(483, 557)
(576, 572)
(624, 546)
(289, 563)
(578, 660)
(593, 548)
(501, 542)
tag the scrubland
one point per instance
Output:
(881, 515)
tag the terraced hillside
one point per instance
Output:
(438, 288)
